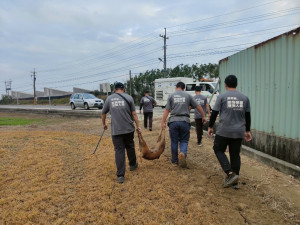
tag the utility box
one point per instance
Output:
(105, 87)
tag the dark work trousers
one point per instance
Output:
(179, 133)
(199, 129)
(146, 115)
(220, 145)
(120, 143)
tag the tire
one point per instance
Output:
(73, 106)
(101, 107)
(86, 106)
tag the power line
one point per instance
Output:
(244, 35)
(232, 23)
(225, 14)
(106, 55)
(107, 65)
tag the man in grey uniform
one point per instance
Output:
(179, 104)
(234, 125)
(147, 103)
(202, 101)
(122, 109)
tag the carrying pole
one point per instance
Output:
(99, 141)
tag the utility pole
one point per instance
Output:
(34, 79)
(165, 51)
(7, 87)
(130, 82)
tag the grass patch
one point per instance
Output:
(13, 121)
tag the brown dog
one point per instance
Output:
(156, 151)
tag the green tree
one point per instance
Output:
(6, 99)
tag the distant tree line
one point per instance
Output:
(145, 81)
(6, 99)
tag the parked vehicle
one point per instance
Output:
(166, 86)
(86, 101)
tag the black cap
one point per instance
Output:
(231, 81)
(119, 85)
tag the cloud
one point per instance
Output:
(98, 35)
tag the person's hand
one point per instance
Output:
(163, 125)
(210, 131)
(248, 136)
(204, 120)
(139, 130)
(105, 127)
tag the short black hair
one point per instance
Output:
(180, 85)
(147, 91)
(231, 81)
(198, 88)
(119, 85)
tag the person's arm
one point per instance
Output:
(248, 136)
(105, 110)
(136, 120)
(212, 120)
(164, 117)
(208, 110)
(201, 111)
(214, 114)
(103, 117)
(154, 102)
(141, 106)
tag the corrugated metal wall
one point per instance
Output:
(269, 74)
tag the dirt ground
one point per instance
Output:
(48, 175)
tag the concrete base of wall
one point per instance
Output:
(278, 164)
(280, 147)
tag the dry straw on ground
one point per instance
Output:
(48, 175)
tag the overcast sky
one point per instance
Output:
(84, 43)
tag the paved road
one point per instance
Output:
(60, 108)
(56, 107)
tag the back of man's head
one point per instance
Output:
(180, 85)
(119, 86)
(147, 92)
(231, 81)
(198, 89)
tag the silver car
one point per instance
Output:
(86, 101)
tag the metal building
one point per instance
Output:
(269, 74)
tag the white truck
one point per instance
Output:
(166, 86)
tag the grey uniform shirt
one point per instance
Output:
(147, 103)
(121, 113)
(178, 103)
(202, 100)
(232, 106)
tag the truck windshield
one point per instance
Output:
(190, 87)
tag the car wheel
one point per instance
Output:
(100, 107)
(86, 106)
(73, 106)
